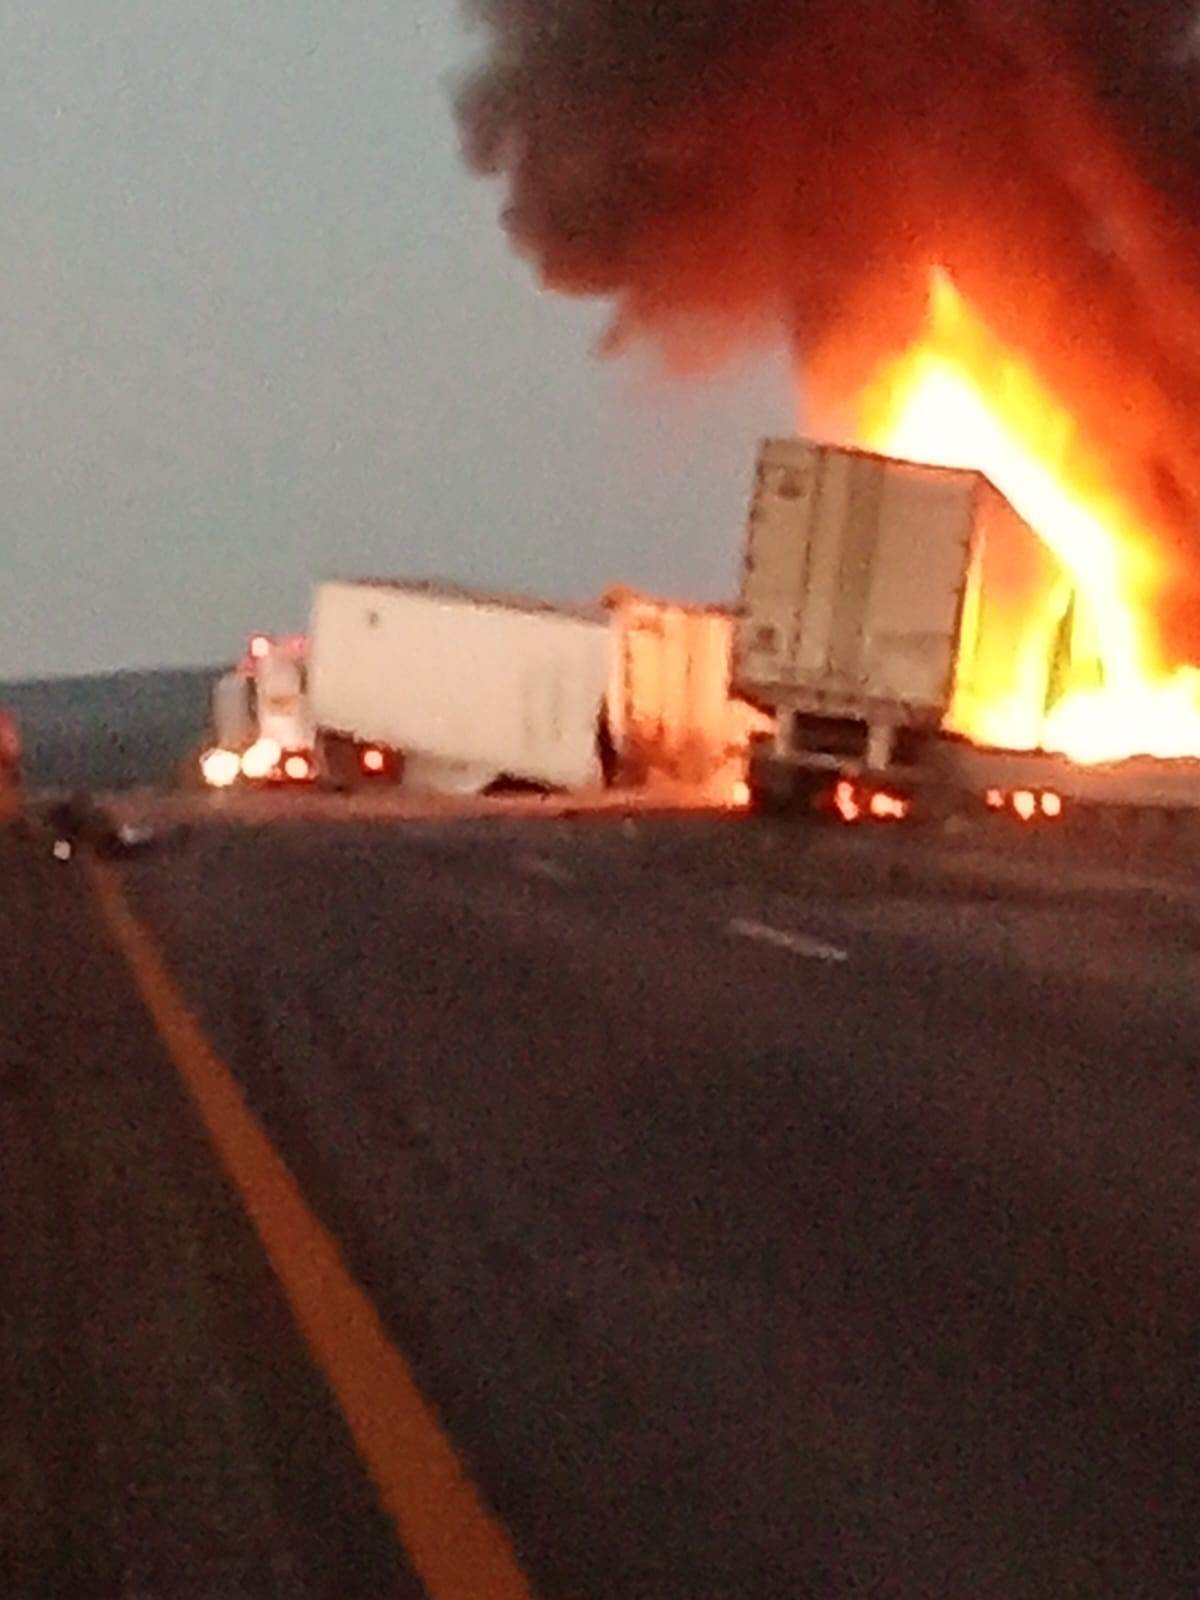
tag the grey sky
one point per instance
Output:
(258, 325)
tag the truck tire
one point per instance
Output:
(338, 761)
(766, 802)
(778, 789)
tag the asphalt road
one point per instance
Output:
(764, 1214)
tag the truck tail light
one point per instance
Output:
(297, 767)
(845, 802)
(887, 807)
(1028, 804)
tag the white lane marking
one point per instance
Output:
(799, 944)
(539, 867)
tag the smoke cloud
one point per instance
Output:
(721, 170)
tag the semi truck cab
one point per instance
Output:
(263, 730)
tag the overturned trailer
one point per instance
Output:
(459, 688)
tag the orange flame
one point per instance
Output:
(957, 398)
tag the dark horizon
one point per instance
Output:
(110, 730)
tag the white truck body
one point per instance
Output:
(880, 586)
(885, 596)
(467, 686)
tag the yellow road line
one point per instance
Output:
(458, 1549)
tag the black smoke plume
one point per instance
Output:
(721, 168)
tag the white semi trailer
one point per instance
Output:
(885, 608)
(457, 687)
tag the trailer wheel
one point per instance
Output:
(937, 810)
(783, 791)
(503, 784)
(766, 802)
(338, 760)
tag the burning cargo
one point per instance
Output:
(960, 396)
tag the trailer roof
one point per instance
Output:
(589, 611)
(623, 594)
(789, 443)
(443, 589)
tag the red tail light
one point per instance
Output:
(845, 802)
(298, 768)
(888, 807)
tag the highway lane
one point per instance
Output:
(763, 1217)
(163, 1433)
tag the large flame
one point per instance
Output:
(957, 398)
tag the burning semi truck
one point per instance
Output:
(980, 601)
(974, 229)
(887, 607)
(917, 643)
